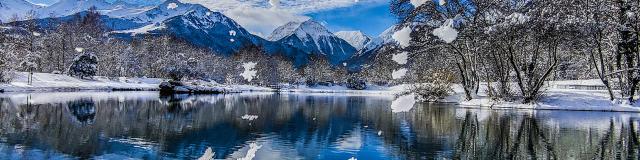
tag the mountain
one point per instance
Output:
(356, 39)
(9, 8)
(166, 10)
(69, 7)
(369, 51)
(198, 25)
(311, 37)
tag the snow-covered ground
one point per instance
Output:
(60, 82)
(555, 96)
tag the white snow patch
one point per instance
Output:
(379, 133)
(274, 4)
(401, 58)
(446, 32)
(208, 13)
(442, 2)
(232, 40)
(517, 18)
(208, 154)
(403, 36)
(417, 3)
(232, 33)
(172, 6)
(249, 71)
(251, 153)
(249, 117)
(353, 158)
(36, 34)
(403, 103)
(78, 49)
(397, 74)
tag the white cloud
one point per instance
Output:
(262, 21)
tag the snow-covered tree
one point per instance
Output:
(84, 65)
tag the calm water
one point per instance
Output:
(295, 126)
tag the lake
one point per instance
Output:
(146, 125)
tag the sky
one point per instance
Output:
(261, 17)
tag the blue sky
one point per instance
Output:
(371, 19)
(369, 16)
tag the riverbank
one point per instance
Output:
(558, 95)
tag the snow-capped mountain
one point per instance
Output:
(312, 38)
(199, 26)
(369, 50)
(164, 11)
(356, 39)
(9, 8)
(69, 7)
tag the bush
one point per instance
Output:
(434, 86)
(85, 65)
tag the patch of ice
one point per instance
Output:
(403, 36)
(401, 58)
(417, 3)
(208, 154)
(446, 32)
(249, 117)
(403, 103)
(78, 49)
(397, 74)
(249, 72)
(251, 153)
(172, 6)
(232, 33)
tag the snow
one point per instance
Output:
(249, 117)
(403, 103)
(442, 2)
(446, 32)
(357, 39)
(232, 33)
(78, 49)
(142, 30)
(58, 82)
(418, 3)
(379, 133)
(249, 71)
(401, 58)
(403, 36)
(353, 158)
(172, 6)
(208, 154)
(397, 74)
(274, 4)
(517, 18)
(36, 34)
(251, 153)
(232, 40)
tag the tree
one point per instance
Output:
(84, 65)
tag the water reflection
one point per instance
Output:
(294, 126)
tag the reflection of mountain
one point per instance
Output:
(308, 127)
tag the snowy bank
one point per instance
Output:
(60, 82)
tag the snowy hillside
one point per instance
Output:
(164, 11)
(356, 39)
(313, 38)
(9, 8)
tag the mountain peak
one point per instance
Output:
(357, 39)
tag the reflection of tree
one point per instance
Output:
(621, 146)
(466, 145)
(84, 110)
(531, 142)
